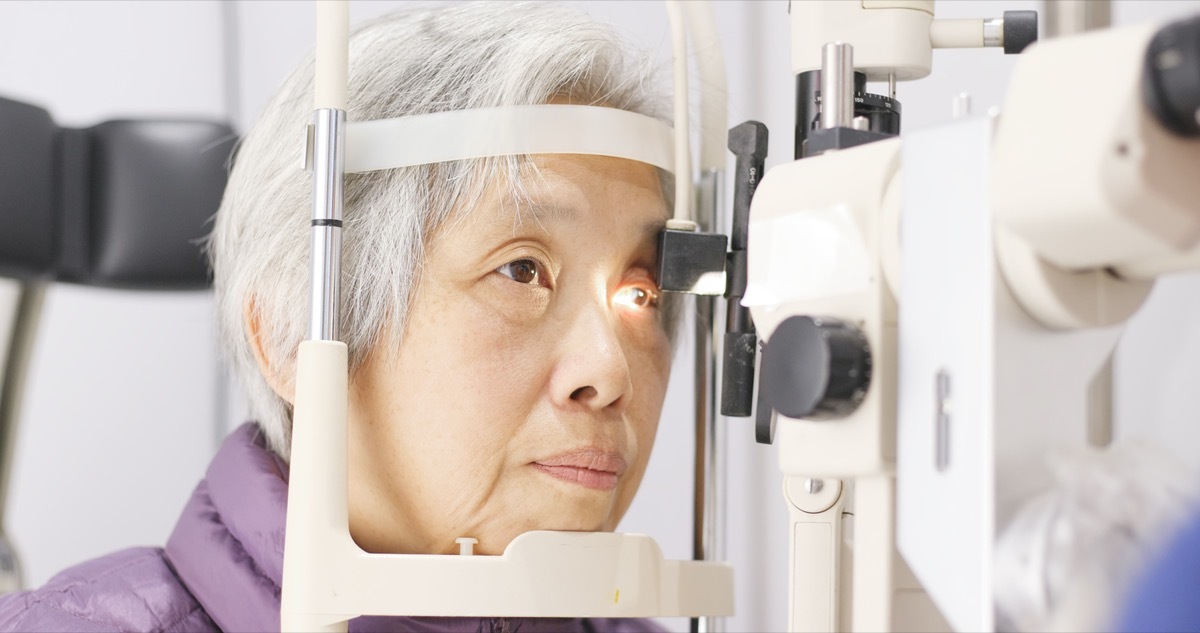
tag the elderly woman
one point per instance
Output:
(509, 349)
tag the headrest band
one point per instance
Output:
(505, 131)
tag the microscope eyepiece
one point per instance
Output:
(1171, 77)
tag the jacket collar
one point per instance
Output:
(228, 544)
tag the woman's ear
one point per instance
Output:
(279, 378)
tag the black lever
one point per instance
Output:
(748, 142)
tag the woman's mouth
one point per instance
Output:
(590, 468)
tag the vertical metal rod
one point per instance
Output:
(26, 318)
(837, 85)
(1067, 17)
(707, 503)
(1100, 405)
(232, 97)
(329, 142)
(231, 62)
(701, 527)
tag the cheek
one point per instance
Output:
(650, 370)
(481, 369)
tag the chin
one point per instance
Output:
(577, 522)
(495, 545)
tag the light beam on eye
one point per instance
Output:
(634, 297)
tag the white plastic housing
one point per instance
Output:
(945, 518)
(814, 244)
(956, 33)
(1015, 391)
(888, 36)
(817, 550)
(1080, 170)
(332, 56)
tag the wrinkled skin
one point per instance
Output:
(530, 336)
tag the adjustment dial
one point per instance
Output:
(816, 368)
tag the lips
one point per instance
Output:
(590, 468)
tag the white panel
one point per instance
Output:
(119, 417)
(944, 513)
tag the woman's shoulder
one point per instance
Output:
(130, 590)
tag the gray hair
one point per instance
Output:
(410, 62)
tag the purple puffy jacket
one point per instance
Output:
(221, 569)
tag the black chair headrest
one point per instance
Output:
(120, 204)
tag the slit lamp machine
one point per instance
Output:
(913, 321)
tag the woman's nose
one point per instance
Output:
(592, 371)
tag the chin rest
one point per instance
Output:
(122, 204)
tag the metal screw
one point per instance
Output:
(813, 486)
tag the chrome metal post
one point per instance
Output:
(708, 532)
(328, 160)
(837, 85)
(993, 32)
(1067, 17)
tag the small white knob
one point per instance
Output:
(961, 106)
(466, 545)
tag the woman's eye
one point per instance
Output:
(522, 271)
(636, 297)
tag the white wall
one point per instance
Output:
(119, 418)
(124, 400)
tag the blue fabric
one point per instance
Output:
(1167, 597)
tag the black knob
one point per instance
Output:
(1020, 30)
(1171, 77)
(815, 368)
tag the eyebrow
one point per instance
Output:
(540, 212)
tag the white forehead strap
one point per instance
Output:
(535, 129)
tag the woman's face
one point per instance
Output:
(526, 390)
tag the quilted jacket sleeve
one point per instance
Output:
(131, 590)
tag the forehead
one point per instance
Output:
(565, 187)
(566, 190)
